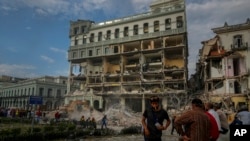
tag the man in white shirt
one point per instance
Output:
(210, 108)
(244, 115)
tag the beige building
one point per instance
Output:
(225, 65)
(17, 92)
(129, 59)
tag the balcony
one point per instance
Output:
(238, 47)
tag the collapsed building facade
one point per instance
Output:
(224, 66)
(129, 59)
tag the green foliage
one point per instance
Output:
(15, 131)
(62, 127)
(48, 128)
(71, 127)
(35, 130)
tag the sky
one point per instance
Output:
(34, 34)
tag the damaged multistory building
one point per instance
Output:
(129, 59)
(224, 66)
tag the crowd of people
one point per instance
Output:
(91, 122)
(21, 113)
(203, 122)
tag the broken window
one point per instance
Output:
(116, 49)
(76, 30)
(125, 32)
(90, 52)
(108, 37)
(237, 41)
(82, 53)
(168, 24)
(91, 39)
(84, 40)
(156, 26)
(145, 28)
(76, 41)
(74, 54)
(84, 29)
(136, 29)
(100, 36)
(217, 64)
(179, 22)
(98, 51)
(236, 66)
(237, 87)
(107, 50)
(117, 32)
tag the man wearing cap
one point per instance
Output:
(152, 120)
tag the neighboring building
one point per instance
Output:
(51, 89)
(225, 64)
(129, 59)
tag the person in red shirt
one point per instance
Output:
(214, 131)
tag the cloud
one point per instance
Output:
(28, 28)
(78, 8)
(17, 70)
(57, 50)
(47, 59)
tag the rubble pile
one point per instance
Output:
(116, 115)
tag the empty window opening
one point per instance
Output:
(100, 36)
(236, 64)
(90, 52)
(237, 87)
(125, 33)
(116, 49)
(145, 28)
(117, 32)
(91, 39)
(108, 35)
(76, 30)
(179, 22)
(238, 41)
(168, 24)
(136, 29)
(156, 26)
(84, 29)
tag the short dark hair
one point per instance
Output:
(154, 99)
(197, 102)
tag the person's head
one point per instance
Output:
(217, 106)
(197, 103)
(209, 105)
(154, 102)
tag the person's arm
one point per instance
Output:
(167, 124)
(180, 121)
(144, 124)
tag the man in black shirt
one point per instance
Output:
(152, 120)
